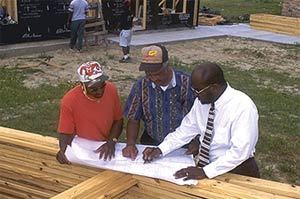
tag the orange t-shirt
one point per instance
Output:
(89, 119)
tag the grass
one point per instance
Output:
(240, 10)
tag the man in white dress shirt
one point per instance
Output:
(235, 130)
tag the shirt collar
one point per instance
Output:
(223, 97)
(172, 83)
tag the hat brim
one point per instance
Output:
(103, 78)
(150, 66)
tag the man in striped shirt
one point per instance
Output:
(160, 99)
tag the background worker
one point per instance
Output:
(126, 31)
(160, 99)
(227, 121)
(77, 18)
(91, 110)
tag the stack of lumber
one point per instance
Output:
(28, 169)
(209, 19)
(275, 23)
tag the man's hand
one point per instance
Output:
(106, 150)
(151, 153)
(190, 173)
(193, 147)
(130, 151)
(61, 158)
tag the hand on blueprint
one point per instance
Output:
(130, 151)
(106, 150)
(61, 158)
(189, 173)
(151, 153)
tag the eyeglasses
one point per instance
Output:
(199, 92)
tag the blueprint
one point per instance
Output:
(81, 151)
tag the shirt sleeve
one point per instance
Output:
(71, 7)
(133, 107)
(66, 122)
(118, 106)
(182, 135)
(244, 135)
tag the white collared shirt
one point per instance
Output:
(235, 131)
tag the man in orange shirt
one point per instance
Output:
(91, 110)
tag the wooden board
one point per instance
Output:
(275, 23)
(28, 169)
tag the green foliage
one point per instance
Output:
(35, 110)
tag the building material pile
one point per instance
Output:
(209, 19)
(275, 23)
(28, 169)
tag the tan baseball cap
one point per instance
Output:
(154, 58)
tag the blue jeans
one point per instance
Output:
(77, 33)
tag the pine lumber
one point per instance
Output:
(272, 187)
(10, 185)
(192, 190)
(207, 187)
(156, 191)
(104, 185)
(276, 23)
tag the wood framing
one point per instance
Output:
(275, 23)
(28, 169)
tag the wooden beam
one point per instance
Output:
(262, 185)
(209, 188)
(275, 23)
(104, 185)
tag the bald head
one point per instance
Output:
(208, 73)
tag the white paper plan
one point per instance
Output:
(82, 150)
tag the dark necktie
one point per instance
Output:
(203, 155)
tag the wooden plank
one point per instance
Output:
(219, 188)
(113, 188)
(275, 18)
(43, 161)
(100, 185)
(137, 193)
(262, 185)
(192, 190)
(163, 193)
(276, 28)
(39, 183)
(10, 185)
(275, 23)
(30, 137)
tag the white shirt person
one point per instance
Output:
(235, 131)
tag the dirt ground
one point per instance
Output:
(242, 53)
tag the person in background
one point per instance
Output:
(91, 110)
(227, 123)
(160, 99)
(77, 18)
(126, 19)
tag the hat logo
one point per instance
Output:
(152, 53)
(91, 69)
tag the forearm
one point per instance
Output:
(116, 129)
(65, 140)
(132, 131)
